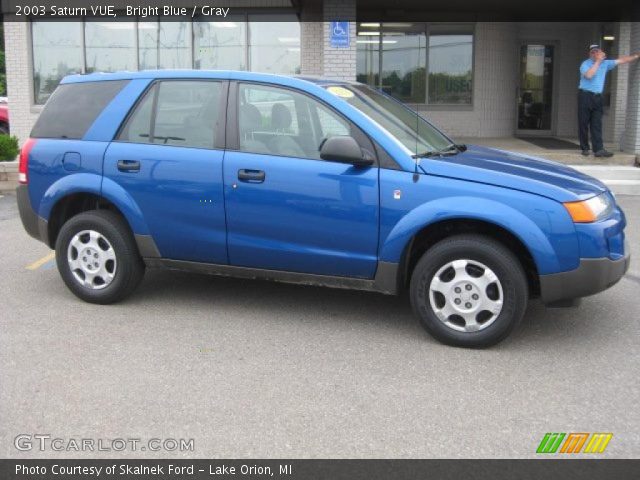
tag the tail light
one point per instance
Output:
(23, 167)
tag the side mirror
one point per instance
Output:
(344, 149)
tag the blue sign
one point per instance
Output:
(339, 34)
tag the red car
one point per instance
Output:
(4, 118)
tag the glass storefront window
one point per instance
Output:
(403, 62)
(417, 62)
(274, 47)
(148, 48)
(368, 56)
(57, 51)
(110, 45)
(450, 65)
(157, 43)
(220, 45)
(164, 44)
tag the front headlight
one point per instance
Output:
(591, 210)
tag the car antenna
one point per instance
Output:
(416, 176)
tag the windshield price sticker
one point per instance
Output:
(340, 92)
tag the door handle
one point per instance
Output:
(129, 165)
(251, 176)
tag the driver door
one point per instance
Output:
(286, 209)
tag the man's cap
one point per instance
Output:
(594, 46)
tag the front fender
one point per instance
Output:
(474, 208)
(94, 184)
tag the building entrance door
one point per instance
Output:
(535, 90)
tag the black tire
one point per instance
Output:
(129, 266)
(475, 248)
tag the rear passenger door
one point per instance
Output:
(286, 208)
(168, 157)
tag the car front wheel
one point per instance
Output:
(469, 291)
(97, 257)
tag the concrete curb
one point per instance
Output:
(8, 176)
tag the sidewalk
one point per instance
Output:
(620, 172)
(567, 156)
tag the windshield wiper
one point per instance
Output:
(452, 149)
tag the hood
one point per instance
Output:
(520, 172)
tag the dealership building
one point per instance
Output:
(469, 74)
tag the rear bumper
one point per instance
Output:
(33, 224)
(592, 276)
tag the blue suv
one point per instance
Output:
(312, 181)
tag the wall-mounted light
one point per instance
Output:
(609, 38)
(370, 25)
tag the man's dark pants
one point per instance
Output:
(590, 117)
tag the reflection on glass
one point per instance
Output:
(148, 54)
(274, 46)
(403, 63)
(110, 45)
(164, 44)
(57, 51)
(536, 84)
(368, 54)
(409, 58)
(175, 44)
(450, 66)
(409, 128)
(220, 45)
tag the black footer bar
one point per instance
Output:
(546, 469)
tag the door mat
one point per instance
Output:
(551, 143)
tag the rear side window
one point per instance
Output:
(73, 108)
(180, 113)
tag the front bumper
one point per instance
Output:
(33, 224)
(592, 276)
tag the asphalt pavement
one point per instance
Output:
(258, 369)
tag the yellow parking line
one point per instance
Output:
(38, 263)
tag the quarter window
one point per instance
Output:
(73, 107)
(282, 122)
(178, 113)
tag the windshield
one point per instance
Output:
(413, 131)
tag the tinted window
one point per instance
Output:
(185, 115)
(73, 108)
(282, 122)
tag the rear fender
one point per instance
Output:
(94, 184)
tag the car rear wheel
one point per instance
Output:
(97, 257)
(469, 291)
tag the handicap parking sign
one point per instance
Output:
(339, 34)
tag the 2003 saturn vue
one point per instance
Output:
(307, 180)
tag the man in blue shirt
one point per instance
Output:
(593, 73)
